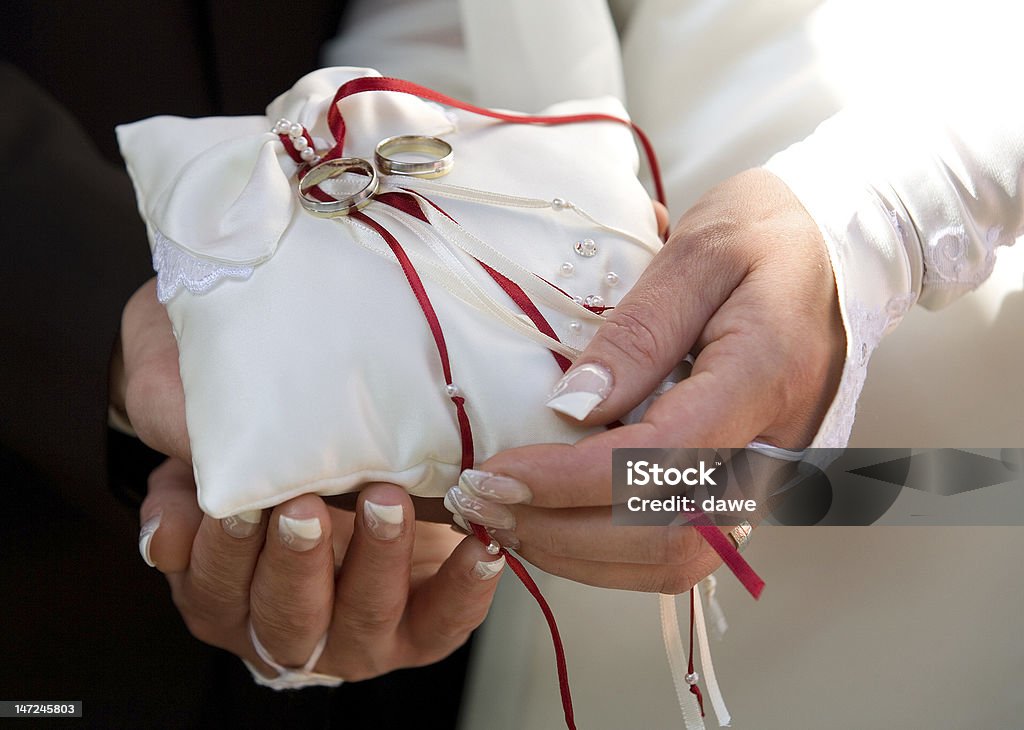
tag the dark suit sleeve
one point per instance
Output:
(75, 250)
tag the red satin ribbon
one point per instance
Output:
(336, 122)
(407, 203)
(556, 639)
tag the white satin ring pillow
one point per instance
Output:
(307, 363)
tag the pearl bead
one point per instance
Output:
(307, 154)
(493, 548)
(586, 248)
(300, 143)
(611, 279)
(576, 325)
(560, 204)
(282, 126)
(578, 299)
(566, 268)
(594, 300)
(692, 678)
(295, 131)
(452, 390)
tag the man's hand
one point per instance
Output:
(149, 387)
(387, 592)
(745, 284)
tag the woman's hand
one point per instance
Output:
(386, 592)
(745, 284)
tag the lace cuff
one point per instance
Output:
(873, 247)
(911, 210)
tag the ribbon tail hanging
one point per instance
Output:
(710, 681)
(688, 706)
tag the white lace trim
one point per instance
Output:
(953, 259)
(177, 268)
(865, 328)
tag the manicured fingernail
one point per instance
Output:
(384, 521)
(486, 570)
(299, 535)
(581, 390)
(506, 538)
(146, 533)
(480, 511)
(494, 487)
(244, 524)
(462, 524)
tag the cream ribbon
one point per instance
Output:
(446, 239)
(290, 678)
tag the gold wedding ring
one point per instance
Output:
(440, 153)
(330, 170)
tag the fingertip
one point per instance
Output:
(632, 352)
(581, 391)
(486, 570)
(146, 534)
(169, 517)
(385, 511)
(302, 523)
(477, 565)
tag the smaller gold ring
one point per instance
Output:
(443, 157)
(740, 535)
(328, 171)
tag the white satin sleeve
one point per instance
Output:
(912, 207)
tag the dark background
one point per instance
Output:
(81, 616)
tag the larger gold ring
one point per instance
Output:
(440, 152)
(330, 170)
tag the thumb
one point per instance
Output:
(647, 335)
(154, 397)
(170, 517)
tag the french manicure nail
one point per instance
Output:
(480, 511)
(494, 487)
(146, 533)
(463, 525)
(506, 538)
(581, 390)
(244, 524)
(384, 521)
(299, 535)
(486, 570)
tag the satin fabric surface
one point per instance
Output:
(318, 372)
